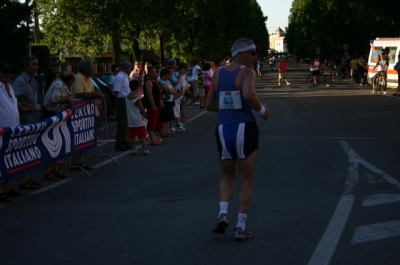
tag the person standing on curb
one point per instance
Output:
(120, 91)
(29, 109)
(233, 96)
(83, 88)
(282, 69)
(9, 116)
(397, 68)
(195, 77)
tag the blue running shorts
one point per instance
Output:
(237, 140)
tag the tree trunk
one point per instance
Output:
(116, 48)
(161, 39)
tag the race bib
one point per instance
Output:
(230, 100)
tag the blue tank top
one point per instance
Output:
(226, 82)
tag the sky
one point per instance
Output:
(277, 11)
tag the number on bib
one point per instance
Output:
(230, 100)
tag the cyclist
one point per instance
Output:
(382, 66)
(315, 66)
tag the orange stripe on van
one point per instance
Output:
(389, 71)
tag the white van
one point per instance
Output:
(392, 45)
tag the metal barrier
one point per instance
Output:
(102, 130)
(102, 136)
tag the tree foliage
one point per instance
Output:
(187, 29)
(329, 24)
(14, 31)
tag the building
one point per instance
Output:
(277, 41)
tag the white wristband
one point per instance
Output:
(262, 110)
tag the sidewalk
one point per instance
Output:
(104, 154)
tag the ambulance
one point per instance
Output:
(390, 46)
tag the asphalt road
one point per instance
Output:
(326, 192)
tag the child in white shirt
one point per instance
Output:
(136, 121)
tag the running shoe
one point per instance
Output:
(221, 224)
(172, 129)
(146, 152)
(242, 234)
(180, 129)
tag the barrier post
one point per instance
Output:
(102, 130)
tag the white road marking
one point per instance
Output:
(327, 245)
(197, 116)
(377, 231)
(379, 199)
(55, 184)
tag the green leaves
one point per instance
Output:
(187, 29)
(329, 24)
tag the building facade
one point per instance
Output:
(277, 41)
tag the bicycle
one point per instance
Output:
(321, 79)
(378, 82)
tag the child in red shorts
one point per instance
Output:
(136, 121)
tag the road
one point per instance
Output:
(326, 192)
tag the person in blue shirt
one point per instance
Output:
(397, 68)
(233, 96)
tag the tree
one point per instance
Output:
(329, 24)
(14, 31)
(188, 29)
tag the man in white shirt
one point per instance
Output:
(120, 91)
(382, 66)
(195, 72)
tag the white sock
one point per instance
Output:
(223, 208)
(241, 223)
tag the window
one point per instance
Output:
(378, 51)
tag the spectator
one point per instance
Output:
(397, 68)
(9, 117)
(57, 99)
(152, 102)
(272, 62)
(83, 88)
(195, 87)
(147, 66)
(184, 86)
(24, 88)
(167, 114)
(259, 68)
(200, 79)
(137, 74)
(114, 71)
(120, 91)
(362, 69)
(175, 78)
(207, 75)
(135, 114)
(353, 69)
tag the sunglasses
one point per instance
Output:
(254, 53)
(6, 72)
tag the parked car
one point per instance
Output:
(105, 77)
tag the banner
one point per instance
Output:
(30, 146)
